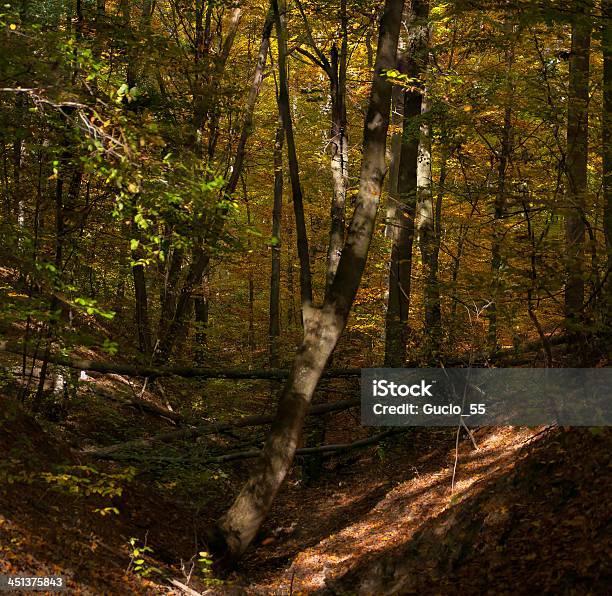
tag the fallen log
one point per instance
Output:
(135, 370)
(252, 453)
(140, 404)
(210, 428)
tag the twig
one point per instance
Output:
(181, 586)
(456, 459)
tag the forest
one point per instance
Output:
(217, 214)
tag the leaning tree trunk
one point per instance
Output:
(576, 161)
(322, 326)
(402, 224)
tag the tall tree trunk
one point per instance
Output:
(322, 326)
(428, 221)
(277, 212)
(250, 281)
(135, 74)
(498, 215)
(294, 170)
(576, 161)
(339, 149)
(17, 203)
(499, 208)
(607, 151)
(291, 310)
(402, 223)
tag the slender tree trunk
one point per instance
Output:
(247, 126)
(16, 211)
(428, 222)
(143, 327)
(498, 216)
(201, 311)
(274, 329)
(169, 293)
(322, 326)
(294, 170)
(291, 310)
(402, 224)
(576, 161)
(58, 262)
(499, 207)
(251, 283)
(607, 150)
(135, 75)
(339, 149)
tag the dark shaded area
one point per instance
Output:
(542, 527)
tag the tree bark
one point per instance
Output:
(498, 217)
(428, 227)
(402, 223)
(336, 73)
(142, 310)
(322, 326)
(499, 208)
(247, 125)
(607, 152)
(277, 212)
(201, 310)
(294, 170)
(339, 149)
(576, 161)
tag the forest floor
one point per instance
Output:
(525, 510)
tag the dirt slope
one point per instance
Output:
(529, 513)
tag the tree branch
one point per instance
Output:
(252, 453)
(209, 429)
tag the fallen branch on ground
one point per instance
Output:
(210, 428)
(252, 453)
(153, 372)
(140, 404)
(135, 370)
(184, 588)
